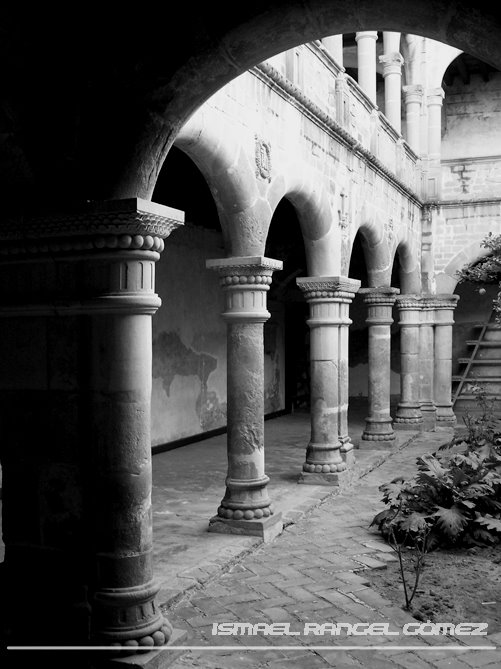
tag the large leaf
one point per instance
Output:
(451, 521)
(429, 463)
(391, 491)
(415, 522)
(489, 522)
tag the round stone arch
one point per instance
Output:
(377, 255)
(321, 237)
(446, 280)
(223, 159)
(410, 271)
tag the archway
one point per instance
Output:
(289, 312)
(189, 336)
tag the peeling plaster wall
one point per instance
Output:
(189, 341)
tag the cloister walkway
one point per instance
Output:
(314, 571)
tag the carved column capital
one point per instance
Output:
(95, 256)
(392, 63)
(380, 301)
(245, 281)
(409, 307)
(339, 288)
(435, 96)
(413, 93)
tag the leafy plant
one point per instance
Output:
(455, 496)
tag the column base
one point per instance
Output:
(379, 442)
(264, 528)
(150, 659)
(445, 421)
(319, 474)
(408, 417)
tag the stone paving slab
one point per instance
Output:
(188, 484)
(314, 572)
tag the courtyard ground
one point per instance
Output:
(317, 571)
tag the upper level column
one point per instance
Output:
(246, 506)
(366, 58)
(434, 103)
(413, 97)
(392, 73)
(334, 45)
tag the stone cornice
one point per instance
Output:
(124, 224)
(292, 94)
(324, 56)
(390, 130)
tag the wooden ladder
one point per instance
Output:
(463, 378)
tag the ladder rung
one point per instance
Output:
(478, 379)
(480, 361)
(489, 344)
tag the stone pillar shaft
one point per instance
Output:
(427, 362)
(83, 283)
(392, 73)
(444, 312)
(408, 415)
(378, 432)
(246, 506)
(413, 96)
(366, 60)
(434, 102)
(330, 451)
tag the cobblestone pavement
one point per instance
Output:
(315, 571)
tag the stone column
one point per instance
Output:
(77, 295)
(378, 432)
(334, 45)
(444, 312)
(330, 452)
(413, 97)
(392, 73)
(427, 362)
(366, 59)
(408, 414)
(434, 102)
(246, 507)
